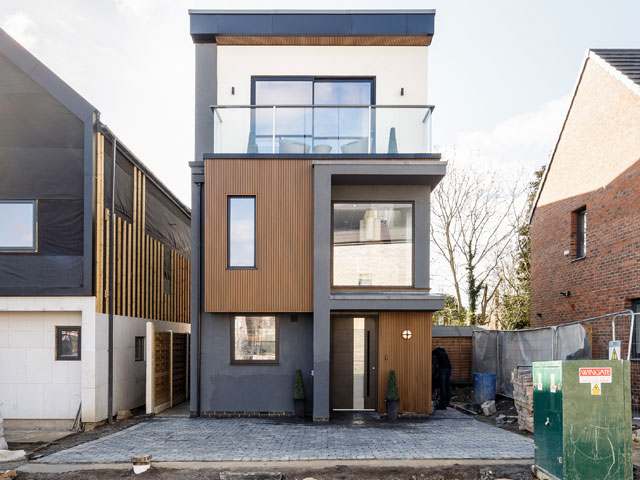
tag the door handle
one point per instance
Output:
(547, 422)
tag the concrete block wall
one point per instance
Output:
(33, 384)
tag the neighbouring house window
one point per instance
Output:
(18, 226)
(254, 339)
(635, 306)
(241, 235)
(68, 343)
(372, 244)
(139, 349)
(581, 232)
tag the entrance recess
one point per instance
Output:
(354, 362)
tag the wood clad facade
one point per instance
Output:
(411, 359)
(139, 267)
(283, 278)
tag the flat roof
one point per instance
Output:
(208, 25)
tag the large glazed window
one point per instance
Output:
(18, 226)
(241, 238)
(372, 244)
(254, 339)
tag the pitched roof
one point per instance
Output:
(44, 77)
(623, 64)
(625, 61)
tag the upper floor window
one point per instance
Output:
(581, 232)
(241, 231)
(372, 244)
(18, 226)
(328, 129)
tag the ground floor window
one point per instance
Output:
(68, 343)
(254, 339)
(635, 306)
(139, 349)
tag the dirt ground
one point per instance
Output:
(460, 472)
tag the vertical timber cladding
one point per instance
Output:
(410, 358)
(139, 258)
(283, 279)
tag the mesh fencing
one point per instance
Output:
(501, 351)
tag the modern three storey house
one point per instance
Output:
(311, 190)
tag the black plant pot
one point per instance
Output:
(299, 408)
(392, 409)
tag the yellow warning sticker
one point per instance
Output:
(595, 389)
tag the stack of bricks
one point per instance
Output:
(522, 379)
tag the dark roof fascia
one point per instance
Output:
(44, 77)
(205, 25)
(129, 155)
(316, 156)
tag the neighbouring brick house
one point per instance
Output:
(585, 226)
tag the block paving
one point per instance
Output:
(451, 435)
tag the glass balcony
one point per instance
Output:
(322, 129)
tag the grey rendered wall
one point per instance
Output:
(254, 388)
(206, 95)
(43, 158)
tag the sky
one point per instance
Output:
(501, 71)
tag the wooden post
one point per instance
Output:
(106, 255)
(134, 246)
(118, 264)
(130, 270)
(98, 251)
(170, 368)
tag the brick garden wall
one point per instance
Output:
(596, 165)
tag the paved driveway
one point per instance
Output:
(452, 435)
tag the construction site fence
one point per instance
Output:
(501, 351)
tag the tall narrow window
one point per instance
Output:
(241, 235)
(18, 226)
(581, 232)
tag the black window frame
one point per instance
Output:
(66, 358)
(581, 232)
(255, 233)
(314, 80)
(34, 247)
(136, 357)
(635, 351)
(232, 339)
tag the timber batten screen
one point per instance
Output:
(282, 280)
(151, 266)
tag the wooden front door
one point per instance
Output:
(354, 363)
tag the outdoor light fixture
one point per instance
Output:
(233, 90)
(406, 334)
(566, 294)
(402, 92)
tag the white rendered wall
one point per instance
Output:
(33, 384)
(129, 376)
(393, 67)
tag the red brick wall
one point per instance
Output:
(459, 352)
(597, 165)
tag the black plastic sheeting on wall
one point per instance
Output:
(166, 222)
(124, 182)
(42, 158)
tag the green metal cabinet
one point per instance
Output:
(582, 419)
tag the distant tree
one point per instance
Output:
(515, 294)
(473, 227)
(451, 314)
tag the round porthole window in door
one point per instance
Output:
(406, 334)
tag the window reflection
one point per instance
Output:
(17, 221)
(254, 338)
(242, 231)
(372, 244)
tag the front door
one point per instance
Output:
(354, 363)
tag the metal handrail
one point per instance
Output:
(213, 107)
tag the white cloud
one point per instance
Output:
(135, 8)
(20, 26)
(524, 141)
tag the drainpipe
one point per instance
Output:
(197, 207)
(112, 253)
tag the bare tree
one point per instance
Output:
(474, 226)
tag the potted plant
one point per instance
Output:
(392, 396)
(393, 142)
(298, 395)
